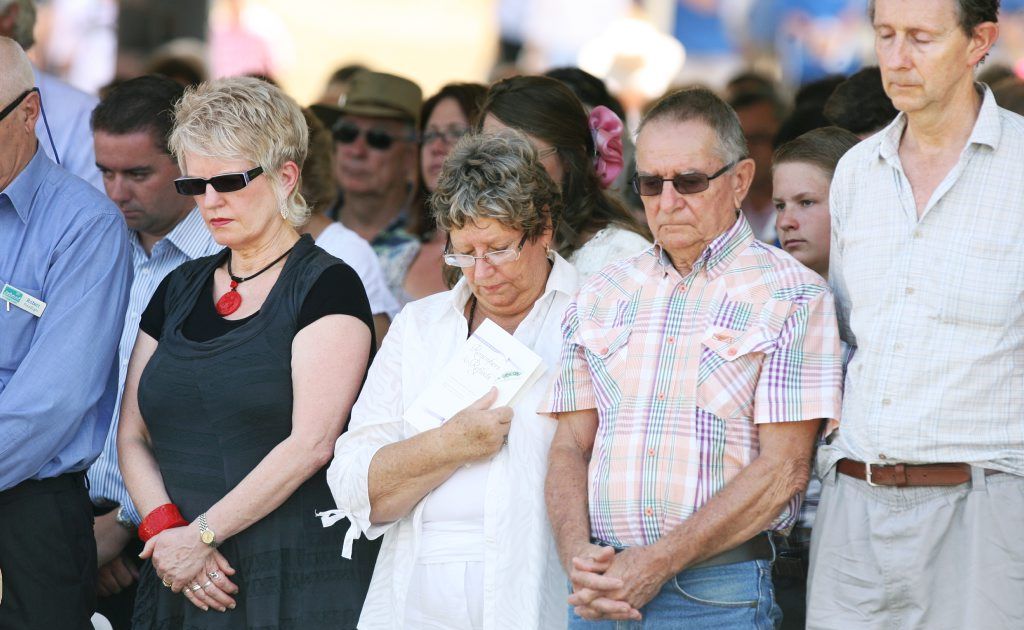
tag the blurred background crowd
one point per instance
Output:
(638, 47)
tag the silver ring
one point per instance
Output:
(195, 587)
(213, 575)
(208, 583)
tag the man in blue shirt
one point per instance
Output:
(64, 277)
(130, 128)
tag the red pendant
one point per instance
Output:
(229, 302)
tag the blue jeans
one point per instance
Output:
(731, 596)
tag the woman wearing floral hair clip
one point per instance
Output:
(583, 155)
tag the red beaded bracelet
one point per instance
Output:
(161, 518)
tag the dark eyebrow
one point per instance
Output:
(134, 170)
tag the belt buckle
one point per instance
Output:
(867, 476)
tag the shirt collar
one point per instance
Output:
(562, 279)
(22, 190)
(719, 253)
(987, 128)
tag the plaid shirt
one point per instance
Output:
(682, 369)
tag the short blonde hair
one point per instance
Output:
(496, 176)
(248, 119)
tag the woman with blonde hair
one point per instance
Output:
(241, 379)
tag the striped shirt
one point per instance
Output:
(187, 241)
(681, 371)
(933, 305)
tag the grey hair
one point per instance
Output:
(703, 105)
(246, 119)
(17, 76)
(25, 25)
(496, 176)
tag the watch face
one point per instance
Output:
(207, 537)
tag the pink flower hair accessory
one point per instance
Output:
(606, 130)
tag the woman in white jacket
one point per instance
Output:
(467, 543)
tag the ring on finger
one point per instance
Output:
(195, 586)
(166, 583)
(213, 575)
(208, 583)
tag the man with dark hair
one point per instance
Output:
(64, 276)
(694, 379)
(923, 484)
(760, 113)
(860, 104)
(130, 128)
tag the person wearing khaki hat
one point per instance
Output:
(376, 165)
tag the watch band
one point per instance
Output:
(207, 535)
(122, 519)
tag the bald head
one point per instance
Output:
(18, 21)
(17, 75)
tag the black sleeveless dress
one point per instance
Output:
(214, 410)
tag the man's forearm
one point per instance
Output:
(565, 492)
(742, 509)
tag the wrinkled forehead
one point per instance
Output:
(926, 15)
(668, 146)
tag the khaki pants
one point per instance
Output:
(929, 558)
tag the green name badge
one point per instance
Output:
(22, 300)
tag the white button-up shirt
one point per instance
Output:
(934, 306)
(524, 585)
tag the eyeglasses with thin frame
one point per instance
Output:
(500, 257)
(346, 132)
(14, 104)
(450, 136)
(224, 183)
(684, 183)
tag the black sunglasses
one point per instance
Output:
(347, 133)
(684, 183)
(228, 182)
(14, 104)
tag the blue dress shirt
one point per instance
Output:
(187, 241)
(65, 243)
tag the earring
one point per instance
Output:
(284, 212)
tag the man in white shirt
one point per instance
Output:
(66, 109)
(923, 485)
(131, 126)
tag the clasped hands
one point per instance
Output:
(614, 586)
(186, 565)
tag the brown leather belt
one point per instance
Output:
(908, 475)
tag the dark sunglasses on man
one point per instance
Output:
(347, 132)
(684, 183)
(225, 183)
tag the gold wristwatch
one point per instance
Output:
(207, 535)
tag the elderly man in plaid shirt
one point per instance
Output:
(695, 378)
